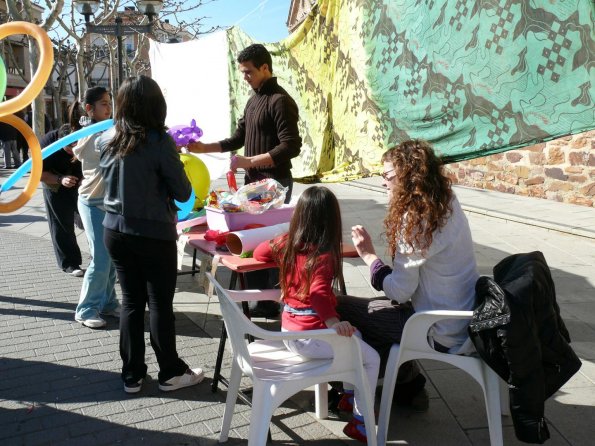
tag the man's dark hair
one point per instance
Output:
(257, 54)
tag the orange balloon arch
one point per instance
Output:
(28, 95)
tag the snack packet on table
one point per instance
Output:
(258, 197)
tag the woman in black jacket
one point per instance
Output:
(60, 179)
(143, 175)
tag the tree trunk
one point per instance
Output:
(80, 72)
(38, 105)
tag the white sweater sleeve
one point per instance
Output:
(402, 283)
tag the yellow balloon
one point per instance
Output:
(199, 177)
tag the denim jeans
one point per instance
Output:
(98, 293)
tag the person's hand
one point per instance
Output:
(238, 162)
(196, 147)
(363, 244)
(69, 181)
(344, 328)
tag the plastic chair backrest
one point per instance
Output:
(236, 324)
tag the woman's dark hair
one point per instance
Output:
(140, 108)
(257, 54)
(75, 112)
(93, 95)
(421, 199)
(315, 229)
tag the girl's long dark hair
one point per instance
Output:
(315, 229)
(140, 108)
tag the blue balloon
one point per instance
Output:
(186, 207)
(54, 147)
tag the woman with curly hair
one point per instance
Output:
(433, 268)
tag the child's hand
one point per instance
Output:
(344, 328)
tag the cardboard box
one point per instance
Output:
(236, 221)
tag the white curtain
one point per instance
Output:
(194, 79)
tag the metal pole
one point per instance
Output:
(120, 52)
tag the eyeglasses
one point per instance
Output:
(385, 176)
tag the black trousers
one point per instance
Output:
(147, 272)
(60, 209)
(381, 322)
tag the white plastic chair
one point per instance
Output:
(277, 373)
(415, 345)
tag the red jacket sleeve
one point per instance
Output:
(264, 252)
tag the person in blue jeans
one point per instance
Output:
(98, 294)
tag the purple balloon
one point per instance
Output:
(184, 134)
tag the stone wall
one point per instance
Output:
(561, 170)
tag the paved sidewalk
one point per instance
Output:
(60, 381)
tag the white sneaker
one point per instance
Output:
(92, 322)
(133, 386)
(190, 377)
(77, 272)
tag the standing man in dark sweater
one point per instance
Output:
(268, 131)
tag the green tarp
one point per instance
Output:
(472, 77)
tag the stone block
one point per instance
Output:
(591, 160)
(479, 161)
(536, 148)
(582, 201)
(522, 171)
(556, 173)
(508, 177)
(536, 191)
(581, 141)
(476, 175)
(558, 186)
(588, 190)
(533, 181)
(555, 155)
(514, 157)
(574, 169)
(577, 178)
(536, 158)
(577, 158)
(497, 157)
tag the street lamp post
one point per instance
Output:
(150, 8)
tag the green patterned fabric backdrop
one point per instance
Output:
(474, 77)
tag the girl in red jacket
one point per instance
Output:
(310, 260)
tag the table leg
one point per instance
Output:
(194, 268)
